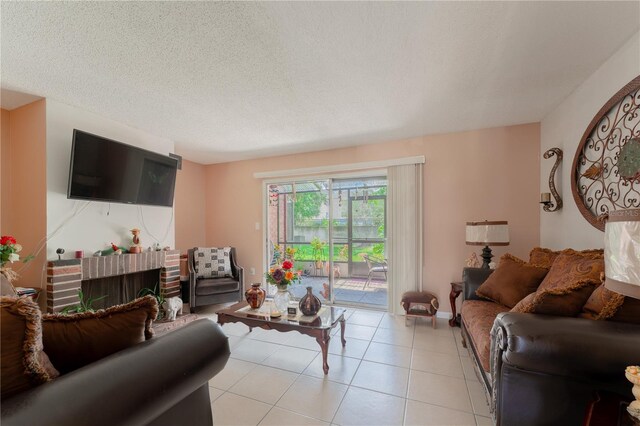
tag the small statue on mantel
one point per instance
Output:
(136, 247)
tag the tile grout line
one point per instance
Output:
(414, 334)
(354, 374)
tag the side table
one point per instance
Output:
(456, 289)
(608, 409)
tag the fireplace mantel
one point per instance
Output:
(64, 277)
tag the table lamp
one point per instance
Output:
(487, 233)
(622, 272)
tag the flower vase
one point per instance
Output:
(281, 299)
(255, 296)
(309, 304)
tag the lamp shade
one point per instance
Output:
(488, 233)
(622, 252)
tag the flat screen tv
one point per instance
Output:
(105, 170)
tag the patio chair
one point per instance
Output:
(375, 265)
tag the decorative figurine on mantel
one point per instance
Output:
(136, 247)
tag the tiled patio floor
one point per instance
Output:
(348, 290)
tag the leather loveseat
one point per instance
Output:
(162, 381)
(542, 369)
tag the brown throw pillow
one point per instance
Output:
(73, 341)
(569, 283)
(23, 363)
(605, 304)
(525, 306)
(512, 280)
(545, 257)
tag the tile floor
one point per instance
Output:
(389, 373)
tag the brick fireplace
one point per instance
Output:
(64, 277)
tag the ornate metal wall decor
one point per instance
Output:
(606, 167)
(549, 206)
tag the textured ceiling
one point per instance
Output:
(238, 80)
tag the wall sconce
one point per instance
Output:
(545, 197)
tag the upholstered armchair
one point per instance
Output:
(214, 276)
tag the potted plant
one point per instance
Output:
(157, 293)
(85, 305)
(317, 246)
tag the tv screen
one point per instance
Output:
(106, 170)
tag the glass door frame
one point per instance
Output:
(367, 174)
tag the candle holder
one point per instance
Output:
(545, 197)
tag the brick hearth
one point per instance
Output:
(64, 277)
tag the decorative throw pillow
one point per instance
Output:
(602, 304)
(75, 340)
(569, 283)
(545, 257)
(23, 363)
(524, 306)
(605, 304)
(212, 262)
(512, 280)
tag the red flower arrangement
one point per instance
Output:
(9, 249)
(283, 275)
(6, 240)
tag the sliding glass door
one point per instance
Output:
(335, 231)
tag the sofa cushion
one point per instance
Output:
(512, 280)
(525, 305)
(545, 257)
(206, 287)
(571, 280)
(478, 317)
(605, 304)
(23, 362)
(75, 340)
(212, 262)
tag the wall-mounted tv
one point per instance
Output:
(105, 170)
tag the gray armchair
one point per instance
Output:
(211, 291)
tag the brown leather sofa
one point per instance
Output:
(540, 369)
(162, 381)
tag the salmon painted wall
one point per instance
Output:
(190, 206)
(24, 186)
(490, 174)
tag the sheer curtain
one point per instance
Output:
(404, 223)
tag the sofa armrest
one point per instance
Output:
(564, 346)
(133, 386)
(472, 278)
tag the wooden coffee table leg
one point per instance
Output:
(342, 324)
(323, 341)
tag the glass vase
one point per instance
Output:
(281, 300)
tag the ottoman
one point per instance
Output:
(420, 304)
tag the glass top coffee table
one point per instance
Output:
(318, 326)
